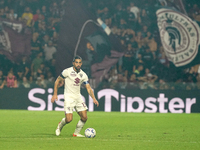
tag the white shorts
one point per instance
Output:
(71, 103)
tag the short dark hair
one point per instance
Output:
(77, 57)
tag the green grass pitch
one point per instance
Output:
(34, 130)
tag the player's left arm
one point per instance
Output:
(91, 93)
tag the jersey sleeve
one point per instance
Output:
(85, 79)
(64, 74)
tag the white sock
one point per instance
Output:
(79, 126)
(62, 123)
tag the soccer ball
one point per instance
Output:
(90, 133)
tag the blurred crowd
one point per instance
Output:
(143, 66)
(43, 18)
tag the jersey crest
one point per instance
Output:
(81, 75)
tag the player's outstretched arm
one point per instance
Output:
(91, 93)
(56, 85)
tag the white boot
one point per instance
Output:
(60, 126)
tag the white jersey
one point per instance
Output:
(73, 81)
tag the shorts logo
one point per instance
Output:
(179, 36)
(77, 81)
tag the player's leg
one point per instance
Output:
(68, 118)
(81, 109)
(81, 122)
(68, 107)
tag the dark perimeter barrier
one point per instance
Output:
(148, 101)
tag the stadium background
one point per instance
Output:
(155, 106)
(35, 61)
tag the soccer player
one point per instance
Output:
(73, 77)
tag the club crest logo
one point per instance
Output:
(81, 75)
(179, 36)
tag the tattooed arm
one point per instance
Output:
(91, 93)
(56, 86)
